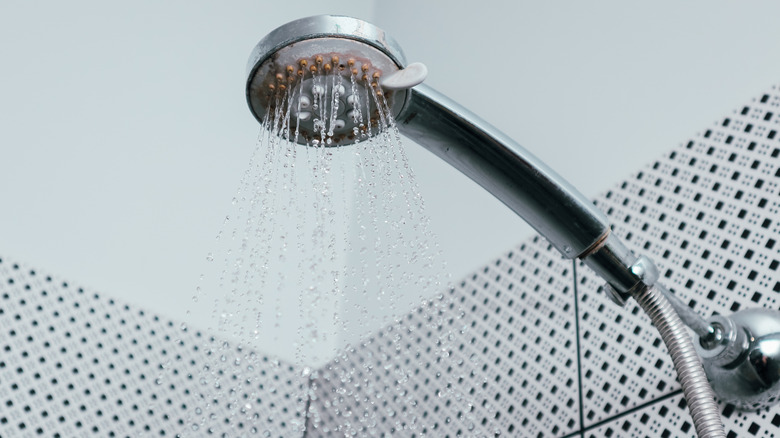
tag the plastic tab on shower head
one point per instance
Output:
(414, 74)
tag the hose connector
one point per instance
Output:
(623, 271)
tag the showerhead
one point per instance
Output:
(327, 78)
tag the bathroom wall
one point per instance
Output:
(125, 131)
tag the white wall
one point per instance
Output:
(124, 129)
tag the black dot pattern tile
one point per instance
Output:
(667, 417)
(706, 213)
(76, 363)
(495, 356)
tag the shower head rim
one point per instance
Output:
(352, 32)
(324, 26)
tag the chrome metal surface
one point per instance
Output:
(324, 26)
(505, 169)
(322, 65)
(744, 368)
(613, 261)
(615, 296)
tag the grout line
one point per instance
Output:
(308, 405)
(583, 429)
(632, 410)
(579, 356)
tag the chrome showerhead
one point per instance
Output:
(327, 79)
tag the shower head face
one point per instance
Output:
(318, 78)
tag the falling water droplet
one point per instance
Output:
(279, 224)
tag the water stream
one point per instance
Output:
(322, 248)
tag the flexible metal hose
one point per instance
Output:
(696, 389)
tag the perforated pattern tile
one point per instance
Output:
(529, 346)
(667, 418)
(75, 363)
(494, 356)
(707, 214)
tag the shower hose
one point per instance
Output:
(696, 389)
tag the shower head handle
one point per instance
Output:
(546, 201)
(287, 71)
(552, 206)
